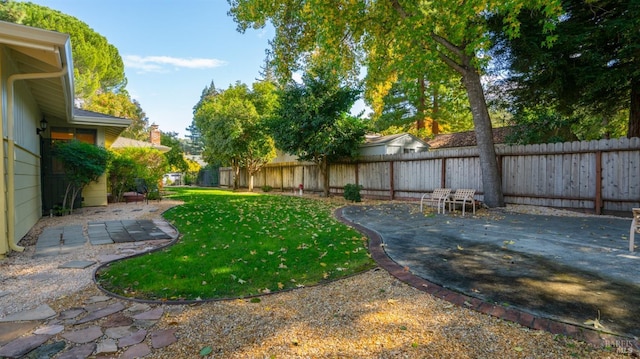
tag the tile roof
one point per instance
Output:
(466, 139)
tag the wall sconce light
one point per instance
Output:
(43, 126)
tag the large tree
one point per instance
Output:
(421, 108)
(175, 156)
(121, 105)
(233, 125)
(592, 71)
(438, 35)
(313, 121)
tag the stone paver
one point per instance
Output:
(107, 346)
(153, 314)
(101, 313)
(163, 338)
(84, 335)
(136, 351)
(77, 264)
(117, 320)
(50, 329)
(22, 346)
(110, 329)
(11, 330)
(71, 313)
(47, 350)
(60, 240)
(119, 332)
(79, 352)
(39, 313)
(132, 339)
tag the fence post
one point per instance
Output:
(598, 199)
(443, 173)
(391, 184)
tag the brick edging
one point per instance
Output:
(588, 335)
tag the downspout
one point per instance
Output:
(11, 183)
(4, 243)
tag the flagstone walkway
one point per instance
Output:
(102, 327)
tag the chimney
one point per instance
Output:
(154, 135)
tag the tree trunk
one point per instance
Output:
(236, 176)
(251, 182)
(491, 182)
(422, 105)
(435, 128)
(634, 109)
(324, 170)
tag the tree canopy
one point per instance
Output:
(175, 156)
(121, 105)
(233, 125)
(313, 121)
(589, 76)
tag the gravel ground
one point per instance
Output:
(27, 281)
(369, 315)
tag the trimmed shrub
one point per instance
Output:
(352, 192)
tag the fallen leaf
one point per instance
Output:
(205, 351)
(595, 322)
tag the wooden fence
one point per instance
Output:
(593, 176)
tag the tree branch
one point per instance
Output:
(447, 44)
(451, 63)
(399, 9)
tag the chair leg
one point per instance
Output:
(632, 234)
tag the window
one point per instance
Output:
(65, 134)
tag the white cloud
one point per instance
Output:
(161, 63)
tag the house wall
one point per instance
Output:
(95, 193)
(373, 150)
(28, 202)
(394, 147)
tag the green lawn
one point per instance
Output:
(241, 244)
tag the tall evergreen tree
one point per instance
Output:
(592, 70)
(312, 120)
(97, 64)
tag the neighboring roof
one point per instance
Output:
(376, 140)
(466, 139)
(113, 126)
(123, 142)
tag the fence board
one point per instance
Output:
(557, 175)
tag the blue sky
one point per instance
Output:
(172, 50)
